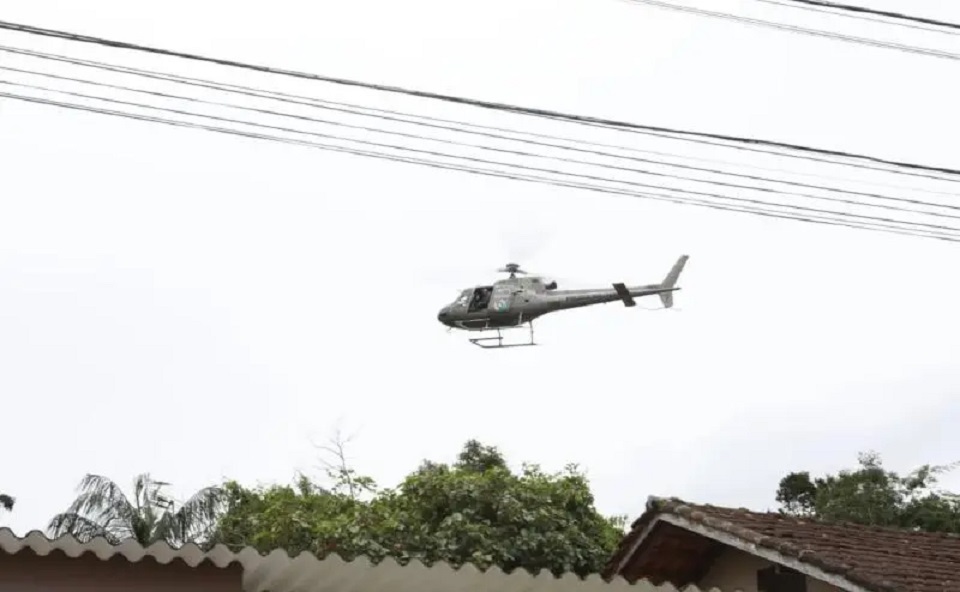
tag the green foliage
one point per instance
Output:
(874, 496)
(102, 509)
(298, 518)
(473, 511)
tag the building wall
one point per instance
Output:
(736, 571)
(56, 572)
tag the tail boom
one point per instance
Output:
(566, 299)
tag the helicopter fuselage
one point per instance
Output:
(514, 301)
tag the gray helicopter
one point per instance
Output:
(512, 302)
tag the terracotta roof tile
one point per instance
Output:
(875, 558)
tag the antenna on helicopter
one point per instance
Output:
(513, 269)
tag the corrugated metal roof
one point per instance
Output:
(278, 572)
(192, 555)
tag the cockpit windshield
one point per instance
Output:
(464, 298)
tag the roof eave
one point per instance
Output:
(639, 530)
(769, 554)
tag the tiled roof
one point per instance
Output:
(278, 572)
(874, 558)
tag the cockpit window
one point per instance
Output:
(464, 298)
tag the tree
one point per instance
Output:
(302, 517)
(475, 510)
(102, 509)
(7, 502)
(874, 496)
(480, 512)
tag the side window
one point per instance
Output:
(777, 578)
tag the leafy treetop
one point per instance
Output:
(475, 510)
(872, 495)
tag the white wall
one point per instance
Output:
(736, 571)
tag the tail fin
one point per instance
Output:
(671, 280)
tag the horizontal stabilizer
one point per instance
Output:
(624, 295)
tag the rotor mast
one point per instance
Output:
(513, 269)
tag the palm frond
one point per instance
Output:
(100, 508)
(80, 527)
(102, 497)
(118, 527)
(204, 505)
(197, 517)
(152, 522)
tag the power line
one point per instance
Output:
(803, 30)
(435, 153)
(812, 218)
(531, 142)
(933, 229)
(5, 25)
(813, 7)
(518, 153)
(874, 222)
(801, 155)
(874, 11)
(353, 108)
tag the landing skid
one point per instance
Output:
(484, 342)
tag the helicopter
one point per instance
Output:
(514, 301)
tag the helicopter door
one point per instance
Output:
(480, 299)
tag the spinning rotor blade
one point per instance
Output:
(565, 282)
(519, 241)
(522, 239)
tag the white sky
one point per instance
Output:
(202, 306)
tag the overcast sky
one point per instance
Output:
(203, 306)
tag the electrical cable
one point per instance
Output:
(483, 147)
(803, 30)
(784, 154)
(434, 153)
(352, 108)
(52, 33)
(935, 233)
(869, 222)
(886, 13)
(495, 173)
(835, 10)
